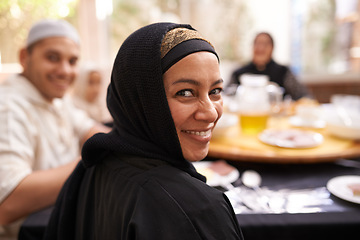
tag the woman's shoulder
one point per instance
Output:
(181, 186)
(150, 174)
(164, 192)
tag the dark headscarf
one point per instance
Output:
(143, 125)
(136, 99)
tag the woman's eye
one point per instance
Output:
(185, 93)
(216, 91)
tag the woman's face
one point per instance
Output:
(262, 50)
(193, 89)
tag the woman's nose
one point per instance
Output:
(206, 111)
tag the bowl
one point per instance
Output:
(343, 131)
(336, 125)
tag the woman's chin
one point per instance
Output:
(191, 157)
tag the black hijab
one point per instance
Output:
(143, 125)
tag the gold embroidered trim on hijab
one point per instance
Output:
(176, 36)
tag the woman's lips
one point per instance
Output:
(203, 135)
(200, 133)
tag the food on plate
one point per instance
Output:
(291, 138)
(296, 137)
(217, 173)
(355, 188)
(221, 167)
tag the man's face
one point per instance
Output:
(51, 65)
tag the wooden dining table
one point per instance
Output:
(232, 144)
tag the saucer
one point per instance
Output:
(339, 187)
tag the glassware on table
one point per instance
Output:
(253, 103)
(275, 99)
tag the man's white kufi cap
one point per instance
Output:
(52, 28)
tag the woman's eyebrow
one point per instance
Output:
(184, 80)
(196, 83)
(217, 82)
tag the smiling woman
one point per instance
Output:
(137, 182)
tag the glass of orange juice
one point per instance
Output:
(253, 123)
(253, 103)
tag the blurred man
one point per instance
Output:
(41, 133)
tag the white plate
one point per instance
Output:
(214, 178)
(291, 138)
(339, 187)
(299, 122)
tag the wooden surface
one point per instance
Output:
(322, 92)
(232, 145)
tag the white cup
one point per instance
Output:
(308, 113)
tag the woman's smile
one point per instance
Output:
(199, 135)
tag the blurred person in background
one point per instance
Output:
(87, 92)
(346, 15)
(262, 63)
(41, 132)
(138, 181)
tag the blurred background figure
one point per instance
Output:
(346, 15)
(87, 93)
(262, 63)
